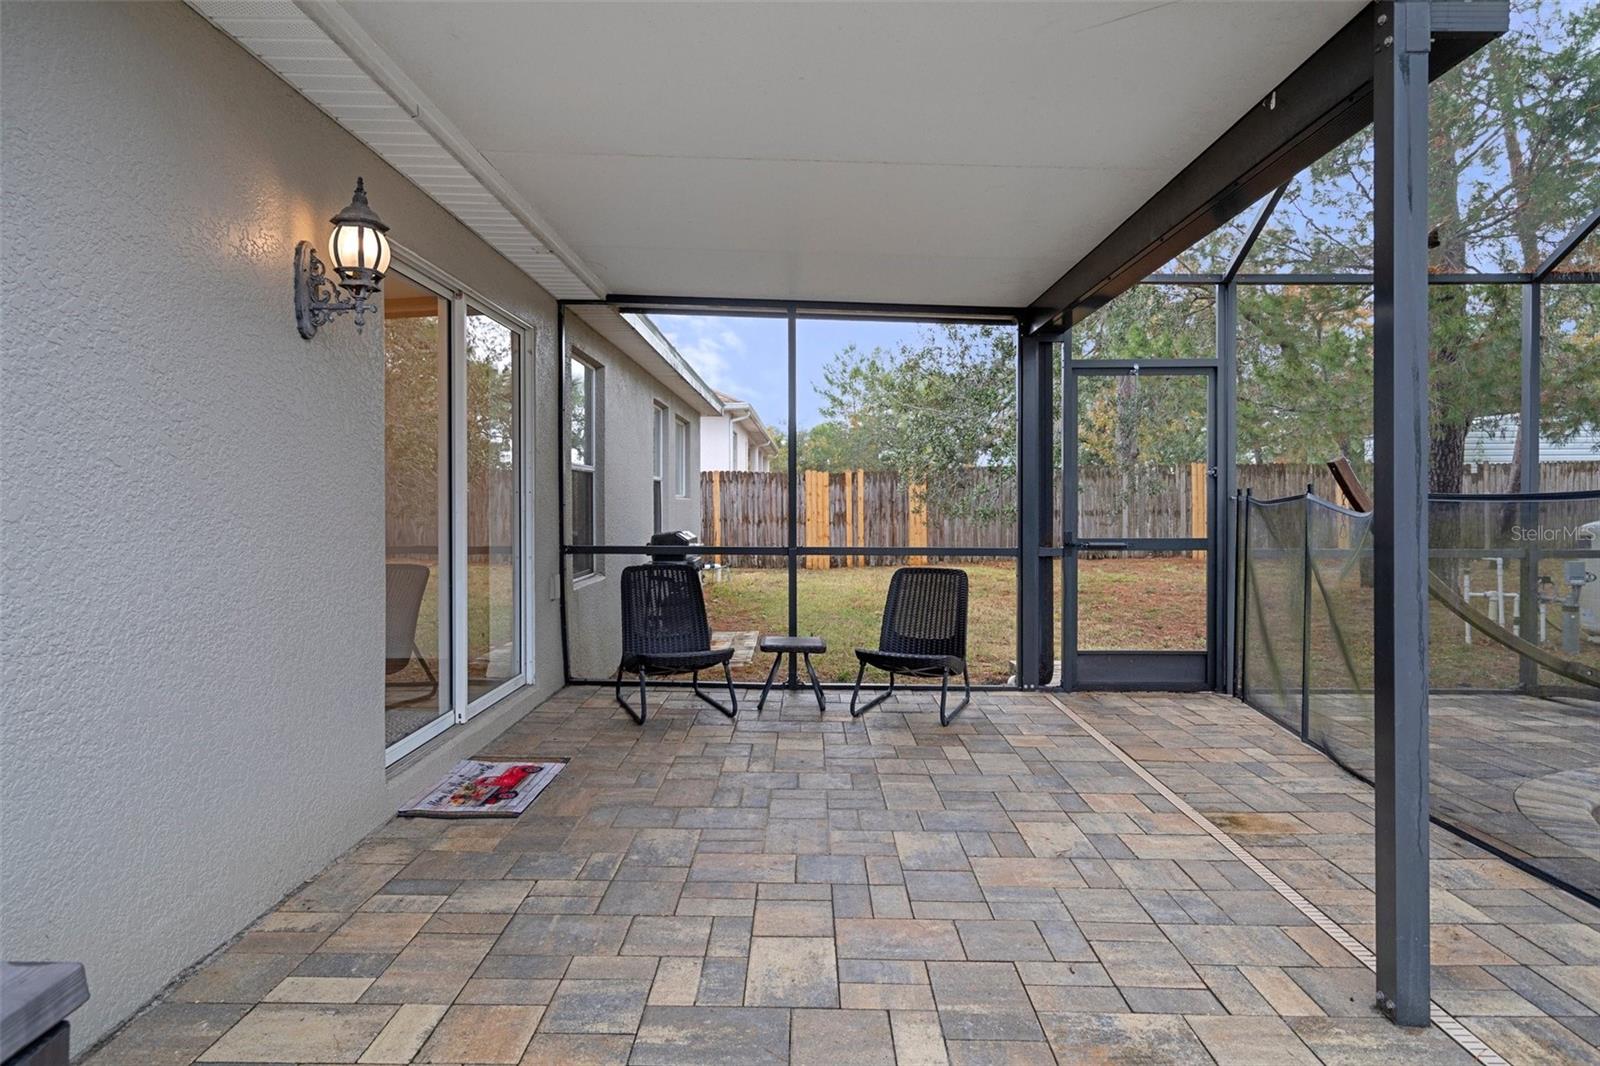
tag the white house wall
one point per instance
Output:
(191, 631)
(625, 501)
(724, 444)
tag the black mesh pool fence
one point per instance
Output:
(1514, 658)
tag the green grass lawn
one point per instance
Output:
(1124, 603)
(491, 598)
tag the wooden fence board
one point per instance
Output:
(858, 508)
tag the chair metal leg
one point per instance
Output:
(644, 708)
(944, 691)
(728, 675)
(865, 707)
(422, 661)
(433, 683)
(816, 686)
(733, 697)
(777, 660)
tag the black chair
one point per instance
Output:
(404, 584)
(924, 634)
(664, 632)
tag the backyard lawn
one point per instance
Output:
(491, 594)
(1125, 603)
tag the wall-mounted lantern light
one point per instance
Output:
(360, 254)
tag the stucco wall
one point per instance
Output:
(191, 496)
(624, 500)
(723, 444)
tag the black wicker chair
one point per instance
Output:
(664, 632)
(924, 634)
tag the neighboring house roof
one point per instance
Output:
(1494, 440)
(742, 411)
(638, 338)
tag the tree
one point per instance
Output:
(932, 410)
(1514, 163)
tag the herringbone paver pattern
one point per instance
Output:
(796, 888)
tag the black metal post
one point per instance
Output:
(1069, 517)
(1035, 577)
(1068, 564)
(1528, 467)
(1305, 615)
(1240, 687)
(1400, 504)
(1226, 434)
(563, 459)
(794, 502)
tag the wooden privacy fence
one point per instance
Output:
(412, 517)
(857, 508)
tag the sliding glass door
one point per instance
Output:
(416, 443)
(457, 605)
(493, 496)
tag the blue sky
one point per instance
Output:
(748, 357)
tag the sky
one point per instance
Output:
(748, 357)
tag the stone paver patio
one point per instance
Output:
(1515, 771)
(790, 888)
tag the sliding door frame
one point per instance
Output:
(453, 532)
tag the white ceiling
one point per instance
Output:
(893, 152)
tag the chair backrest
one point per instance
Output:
(926, 612)
(663, 610)
(404, 584)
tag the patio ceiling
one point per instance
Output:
(895, 153)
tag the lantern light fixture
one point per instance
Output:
(359, 252)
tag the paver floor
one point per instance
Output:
(796, 888)
(1516, 771)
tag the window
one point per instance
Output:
(583, 406)
(658, 468)
(681, 444)
(658, 442)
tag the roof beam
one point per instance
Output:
(1568, 244)
(1250, 238)
(1326, 100)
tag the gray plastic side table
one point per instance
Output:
(781, 646)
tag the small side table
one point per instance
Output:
(781, 646)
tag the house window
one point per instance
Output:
(658, 442)
(658, 467)
(583, 406)
(681, 445)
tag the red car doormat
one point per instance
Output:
(477, 789)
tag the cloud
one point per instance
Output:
(710, 347)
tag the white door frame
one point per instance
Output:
(444, 600)
(453, 520)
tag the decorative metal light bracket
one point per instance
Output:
(314, 294)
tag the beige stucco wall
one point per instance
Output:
(191, 496)
(625, 494)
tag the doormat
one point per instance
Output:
(477, 789)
